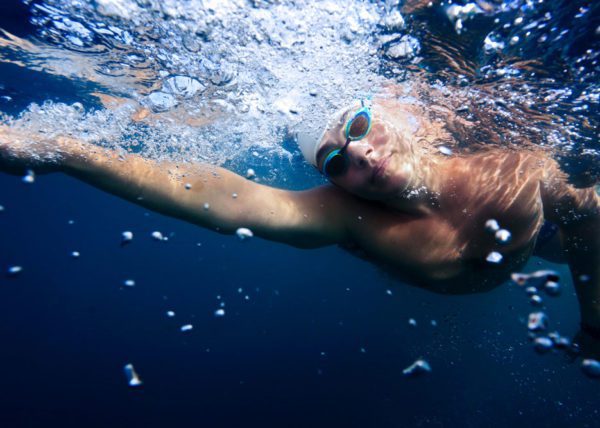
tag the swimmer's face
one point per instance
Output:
(380, 165)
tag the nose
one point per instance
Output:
(358, 153)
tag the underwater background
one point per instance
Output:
(309, 337)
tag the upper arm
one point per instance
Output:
(224, 201)
(308, 219)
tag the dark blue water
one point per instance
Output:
(319, 343)
(68, 326)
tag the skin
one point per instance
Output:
(401, 203)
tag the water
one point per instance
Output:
(323, 337)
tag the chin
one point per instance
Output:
(394, 185)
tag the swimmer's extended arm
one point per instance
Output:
(577, 213)
(214, 197)
(303, 219)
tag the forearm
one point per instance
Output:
(179, 191)
(205, 195)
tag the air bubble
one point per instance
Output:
(14, 270)
(126, 237)
(543, 345)
(29, 177)
(394, 21)
(494, 257)
(537, 321)
(503, 236)
(419, 367)
(161, 101)
(531, 290)
(183, 86)
(552, 288)
(244, 233)
(133, 379)
(536, 300)
(591, 367)
(407, 47)
(445, 150)
(186, 327)
(492, 225)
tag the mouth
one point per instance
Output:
(380, 168)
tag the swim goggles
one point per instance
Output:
(357, 128)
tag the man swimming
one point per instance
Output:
(394, 199)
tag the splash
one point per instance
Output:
(202, 81)
(225, 81)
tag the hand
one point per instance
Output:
(20, 151)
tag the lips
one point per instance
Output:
(380, 167)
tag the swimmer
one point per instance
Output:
(393, 198)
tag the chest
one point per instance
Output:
(452, 242)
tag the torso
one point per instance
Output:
(445, 247)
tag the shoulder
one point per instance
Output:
(318, 216)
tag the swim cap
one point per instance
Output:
(308, 140)
(310, 135)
